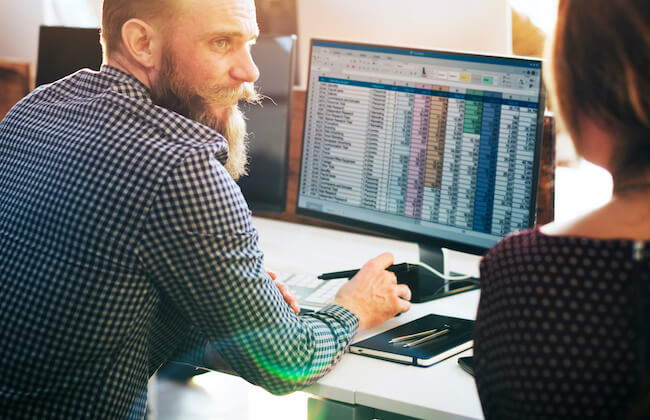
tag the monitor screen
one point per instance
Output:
(436, 147)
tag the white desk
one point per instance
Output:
(440, 391)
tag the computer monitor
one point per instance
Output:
(268, 124)
(435, 147)
(469, 25)
(65, 50)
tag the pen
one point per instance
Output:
(412, 336)
(350, 273)
(427, 338)
(338, 274)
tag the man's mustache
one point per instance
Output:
(228, 96)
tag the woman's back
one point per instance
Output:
(557, 332)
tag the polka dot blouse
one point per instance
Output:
(559, 326)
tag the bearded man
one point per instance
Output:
(124, 240)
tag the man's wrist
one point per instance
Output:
(343, 314)
(350, 306)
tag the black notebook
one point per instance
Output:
(446, 336)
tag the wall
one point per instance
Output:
(19, 21)
(80, 13)
(469, 25)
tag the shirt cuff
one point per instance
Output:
(348, 320)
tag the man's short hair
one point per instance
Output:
(117, 12)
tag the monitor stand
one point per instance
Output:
(427, 286)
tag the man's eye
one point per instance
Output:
(221, 43)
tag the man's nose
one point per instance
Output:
(244, 68)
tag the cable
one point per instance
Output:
(446, 283)
(443, 276)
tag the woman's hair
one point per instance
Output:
(600, 70)
(115, 13)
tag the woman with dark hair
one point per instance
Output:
(562, 324)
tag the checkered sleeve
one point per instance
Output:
(201, 251)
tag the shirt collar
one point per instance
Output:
(125, 83)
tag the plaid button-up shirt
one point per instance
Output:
(125, 243)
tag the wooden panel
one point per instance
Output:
(295, 147)
(15, 83)
(546, 189)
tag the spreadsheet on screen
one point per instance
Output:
(430, 142)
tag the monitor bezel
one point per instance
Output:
(405, 235)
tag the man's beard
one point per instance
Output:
(175, 94)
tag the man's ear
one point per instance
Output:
(140, 42)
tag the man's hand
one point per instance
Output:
(373, 294)
(287, 294)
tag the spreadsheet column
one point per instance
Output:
(468, 162)
(314, 136)
(435, 155)
(343, 148)
(418, 153)
(386, 139)
(376, 158)
(400, 153)
(521, 195)
(506, 162)
(487, 162)
(451, 170)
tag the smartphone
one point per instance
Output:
(467, 363)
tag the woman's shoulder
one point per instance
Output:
(522, 250)
(520, 243)
(537, 241)
(533, 253)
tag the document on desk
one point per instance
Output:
(422, 342)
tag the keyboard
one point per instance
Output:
(312, 292)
